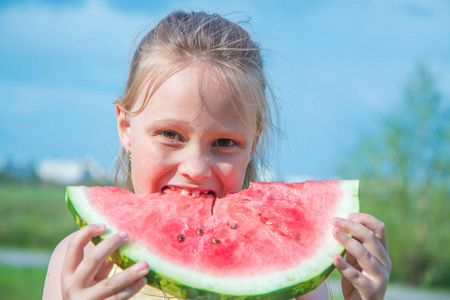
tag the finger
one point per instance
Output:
(74, 252)
(366, 237)
(356, 278)
(104, 271)
(122, 283)
(351, 260)
(129, 291)
(372, 224)
(365, 259)
(93, 260)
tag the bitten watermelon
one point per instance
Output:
(271, 241)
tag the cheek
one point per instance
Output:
(142, 180)
(148, 170)
(233, 173)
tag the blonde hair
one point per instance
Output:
(185, 39)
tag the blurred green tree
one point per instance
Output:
(405, 182)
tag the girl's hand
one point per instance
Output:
(365, 273)
(84, 273)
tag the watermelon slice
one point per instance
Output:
(271, 241)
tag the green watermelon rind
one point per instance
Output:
(179, 289)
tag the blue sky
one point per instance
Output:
(336, 66)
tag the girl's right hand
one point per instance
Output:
(84, 273)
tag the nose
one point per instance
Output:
(195, 165)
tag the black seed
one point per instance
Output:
(181, 237)
(234, 226)
(215, 241)
(200, 231)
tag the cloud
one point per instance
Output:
(62, 67)
(84, 29)
(87, 44)
(336, 64)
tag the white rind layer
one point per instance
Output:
(235, 285)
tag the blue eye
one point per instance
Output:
(225, 143)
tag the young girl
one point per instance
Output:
(194, 117)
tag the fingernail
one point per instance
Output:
(337, 220)
(337, 231)
(142, 268)
(100, 226)
(352, 216)
(338, 259)
(123, 235)
(142, 265)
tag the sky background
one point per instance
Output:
(337, 67)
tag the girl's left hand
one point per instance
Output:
(365, 272)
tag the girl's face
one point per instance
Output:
(185, 140)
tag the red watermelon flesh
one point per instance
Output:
(267, 229)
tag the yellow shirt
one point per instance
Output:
(147, 292)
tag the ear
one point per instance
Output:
(123, 128)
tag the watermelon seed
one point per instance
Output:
(215, 241)
(200, 231)
(234, 226)
(181, 237)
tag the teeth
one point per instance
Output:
(186, 193)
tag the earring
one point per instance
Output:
(129, 157)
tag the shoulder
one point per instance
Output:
(52, 286)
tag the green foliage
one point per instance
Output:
(33, 216)
(405, 182)
(21, 283)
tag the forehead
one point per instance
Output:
(192, 93)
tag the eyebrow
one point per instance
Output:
(170, 123)
(187, 125)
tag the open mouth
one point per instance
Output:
(193, 194)
(187, 193)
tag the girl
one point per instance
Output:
(194, 117)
